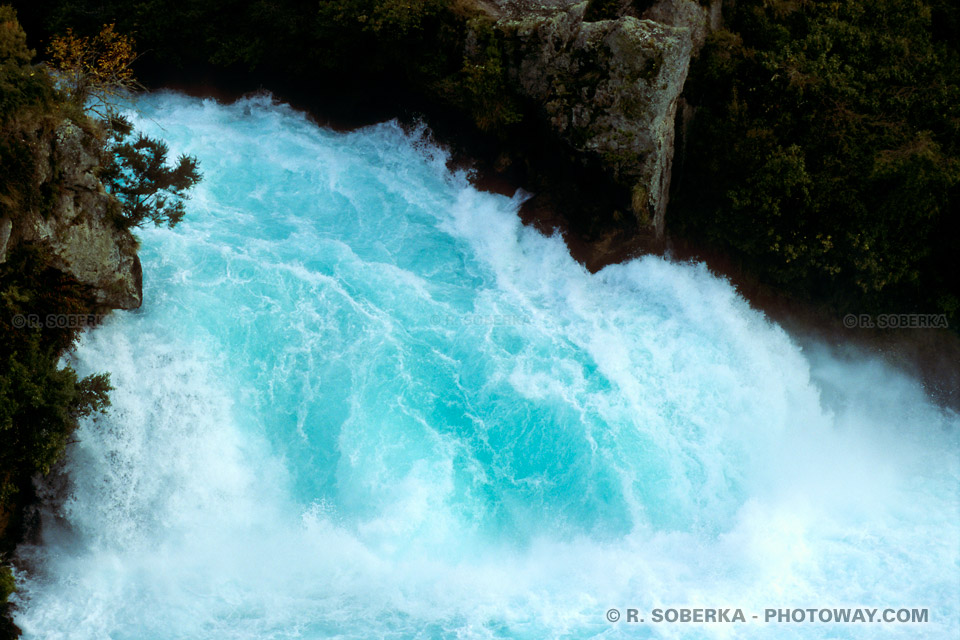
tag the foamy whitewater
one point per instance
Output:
(361, 400)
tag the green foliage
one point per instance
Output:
(94, 73)
(135, 169)
(7, 583)
(825, 149)
(411, 40)
(395, 19)
(363, 47)
(289, 40)
(40, 402)
(382, 49)
(13, 40)
(27, 105)
(21, 188)
(22, 85)
(481, 88)
(137, 173)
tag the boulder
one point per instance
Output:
(608, 88)
(79, 231)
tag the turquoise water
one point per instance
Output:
(361, 400)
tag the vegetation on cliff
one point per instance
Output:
(27, 104)
(43, 306)
(376, 49)
(825, 151)
(137, 173)
(40, 401)
(823, 157)
(94, 74)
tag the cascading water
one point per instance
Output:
(363, 401)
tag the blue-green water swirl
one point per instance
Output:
(363, 401)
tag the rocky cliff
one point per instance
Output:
(609, 81)
(78, 229)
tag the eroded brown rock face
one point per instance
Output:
(609, 88)
(79, 230)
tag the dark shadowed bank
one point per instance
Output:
(72, 186)
(813, 150)
(51, 242)
(808, 151)
(817, 144)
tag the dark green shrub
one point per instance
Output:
(824, 154)
(40, 402)
(27, 100)
(137, 173)
(22, 85)
(7, 583)
(481, 88)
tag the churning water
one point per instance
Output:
(361, 400)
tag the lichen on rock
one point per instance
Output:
(79, 231)
(608, 88)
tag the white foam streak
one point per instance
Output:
(362, 400)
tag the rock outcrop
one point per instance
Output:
(609, 88)
(79, 230)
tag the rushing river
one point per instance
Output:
(361, 400)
